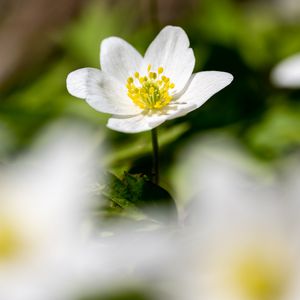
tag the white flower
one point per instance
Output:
(242, 240)
(143, 92)
(42, 205)
(287, 73)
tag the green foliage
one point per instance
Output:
(82, 40)
(278, 133)
(138, 197)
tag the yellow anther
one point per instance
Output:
(136, 75)
(172, 85)
(152, 75)
(130, 80)
(160, 70)
(149, 68)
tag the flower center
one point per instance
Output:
(260, 279)
(150, 92)
(10, 240)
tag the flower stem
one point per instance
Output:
(155, 169)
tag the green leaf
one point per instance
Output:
(137, 195)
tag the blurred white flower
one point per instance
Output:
(43, 202)
(287, 73)
(143, 92)
(242, 261)
(241, 239)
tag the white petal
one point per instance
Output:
(119, 59)
(135, 124)
(170, 50)
(101, 92)
(181, 110)
(202, 86)
(79, 80)
(287, 73)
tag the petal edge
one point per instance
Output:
(171, 50)
(202, 86)
(119, 59)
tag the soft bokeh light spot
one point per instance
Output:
(260, 279)
(11, 241)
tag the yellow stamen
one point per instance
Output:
(151, 92)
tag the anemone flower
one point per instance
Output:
(240, 240)
(42, 207)
(143, 92)
(287, 73)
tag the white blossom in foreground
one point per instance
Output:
(143, 92)
(287, 73)
(42, 203)
(241, 239)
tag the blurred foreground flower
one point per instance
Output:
(43, 254)
(240, 239)
(287, 73)
(142, 93)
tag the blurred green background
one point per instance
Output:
(41, 41)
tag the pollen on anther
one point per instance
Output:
(160, 70)
(149, 68)
(152, 75)
(136, 75)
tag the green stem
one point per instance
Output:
(155, 169)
